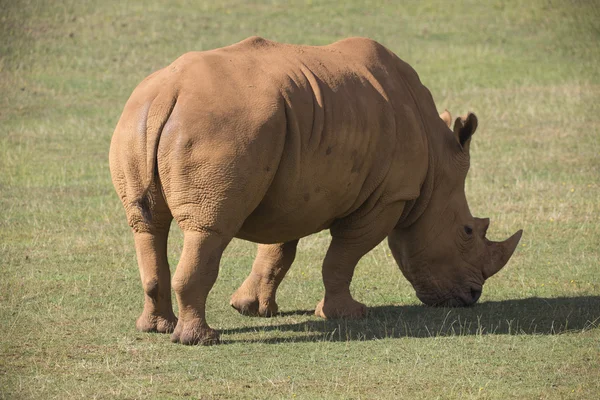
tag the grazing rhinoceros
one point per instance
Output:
(272, 142)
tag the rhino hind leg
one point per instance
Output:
(256, 296)
(150, 239)
(194, 277)
(151, 249)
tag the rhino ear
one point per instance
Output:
(464, 128)
(446, 117)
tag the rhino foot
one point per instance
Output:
(254, 299)
(191, 333)
(252, 306)
(156, 323)
(342, 307)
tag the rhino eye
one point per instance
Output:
(468, 229)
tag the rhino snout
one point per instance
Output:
(475, 295)
(463, 298)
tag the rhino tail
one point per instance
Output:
(158, 115)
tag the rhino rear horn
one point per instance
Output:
(501, 253)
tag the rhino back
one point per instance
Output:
(346, 131)
(353, 140)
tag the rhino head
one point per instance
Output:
(439, 246)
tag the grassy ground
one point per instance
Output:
(69, 288)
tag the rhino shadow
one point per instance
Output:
(531, 316)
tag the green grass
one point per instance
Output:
(69, 286)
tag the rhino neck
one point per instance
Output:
(414, 209)
(434, 184)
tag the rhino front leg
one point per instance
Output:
(338, 269)
(151, 250)
(256, 296)
(194, 278)
(350, 242)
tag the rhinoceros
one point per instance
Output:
(271, 142)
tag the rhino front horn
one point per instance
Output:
(500, 254)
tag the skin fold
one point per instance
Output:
(272, 142)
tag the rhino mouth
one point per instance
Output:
(459, 298)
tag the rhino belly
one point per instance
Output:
(292, 209)
(271, 223)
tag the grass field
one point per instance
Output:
(69, 285)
